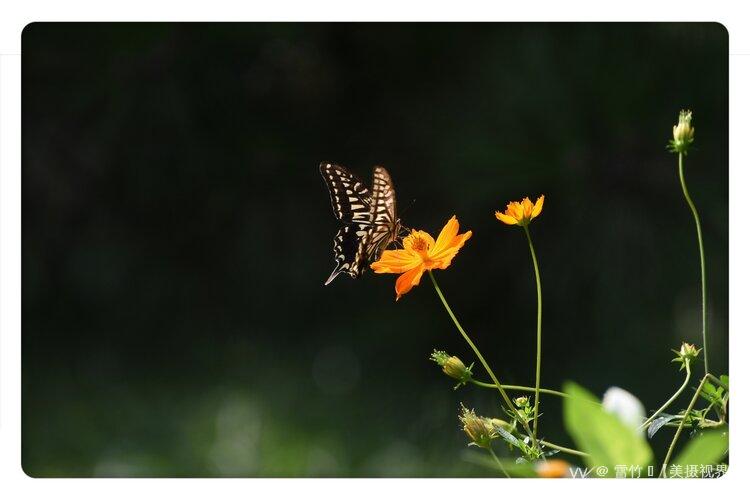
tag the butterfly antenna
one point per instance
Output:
(404, 227)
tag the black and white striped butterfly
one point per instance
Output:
(368, 217)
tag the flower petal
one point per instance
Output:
(449, 231)
(442, 260)
(528, 207)
(396, 261)
(506, 218)
(517, 211)
(409, 279)
(537, 206)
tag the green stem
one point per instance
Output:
(702, 255)
(499, 463)
(563, 448)
(487, 368)
(670, 400)
(538, 329)
(682, 424)
(519, 388)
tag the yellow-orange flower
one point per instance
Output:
(421, 253)
(521, 213)
(554, 468)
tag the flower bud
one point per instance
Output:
(521, 401)
(479, 429)
(689, 350)
(452, 366)
(687, 353)
(682, 133)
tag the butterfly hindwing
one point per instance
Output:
(346, 246)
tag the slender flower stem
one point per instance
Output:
(682, 424)
(499, 463)
(482, 360)
(670, 400)
(702, 255)
(538, 329)
(519, 388)
(563, 448)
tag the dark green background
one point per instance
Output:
(177, 233)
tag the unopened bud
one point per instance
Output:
(479, 429)
(682, 133)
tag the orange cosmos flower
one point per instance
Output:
(553, 468)
(521, 213)
(421, 253)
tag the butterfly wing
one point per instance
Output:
(351, 201)
(368, 218)
(347, 250)
(382, 213)
(350, 197)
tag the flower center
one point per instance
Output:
(419, 245)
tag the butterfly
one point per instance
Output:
(368, 217)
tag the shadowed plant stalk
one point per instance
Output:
(699, 234)
(538, 330)
(683, 135)
(670, 400)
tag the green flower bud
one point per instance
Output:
(479, 429)
(452, 366)
(521, 401)
(687, 353)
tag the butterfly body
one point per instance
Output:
(367, 216)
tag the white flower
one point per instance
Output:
(626, 407)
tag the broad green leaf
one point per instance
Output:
(707, 448)
(724, 380)
(602, 435)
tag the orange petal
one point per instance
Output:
(515, 210)
(443, 259)
(409, 279)
(528, 207)
(506, 218)
(396, 261)
(537, 206)
(449, 231)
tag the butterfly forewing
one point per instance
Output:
(350, 197)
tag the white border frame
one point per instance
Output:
(16, 15)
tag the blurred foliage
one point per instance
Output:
(606, 439)
(176, 235)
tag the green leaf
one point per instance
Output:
(602, 435)
(660, 422)
(725, 380)
(707, 448)
(709, 388)
(507, 436)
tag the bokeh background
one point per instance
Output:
(177, 233)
